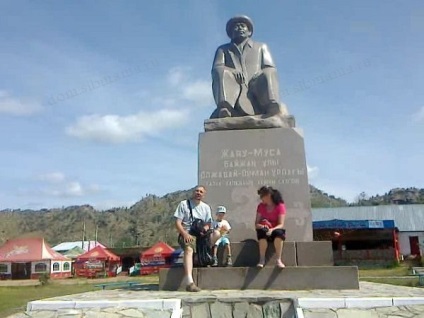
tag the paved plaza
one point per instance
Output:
(372, 300)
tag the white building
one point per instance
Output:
(409, 220)
(86, 246)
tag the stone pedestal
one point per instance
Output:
(269, 277)
(246, 254)
(234, 164)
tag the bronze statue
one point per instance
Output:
(244, 76)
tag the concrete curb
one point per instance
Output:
(299, 313)
(173, 305)
(353, 303)
(356, 302)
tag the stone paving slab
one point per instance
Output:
(168, 308)
(403, 302)
(382, 312)
(100, 313)
(157, 304)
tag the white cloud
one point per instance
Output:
(199, 92)
(187, 88)
(166, 102)
(58, 185)
(419, 115)
(74, 189)
(71, 189)
(312, 172)
(177, 75)
(119, 129)
(16, 106)
(52, 177)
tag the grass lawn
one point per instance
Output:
(384, 272)
(14, 299)
(395, 276)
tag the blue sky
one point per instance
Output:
(101, 102)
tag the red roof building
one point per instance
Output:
(25, 258)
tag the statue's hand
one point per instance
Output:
(240, 77)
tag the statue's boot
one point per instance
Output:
(223, 113)
(225, 110)
(273, 108)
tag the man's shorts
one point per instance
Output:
(222, 241)
(280, 233)
(184, 245)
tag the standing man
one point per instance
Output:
(183, 222)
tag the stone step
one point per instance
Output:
(269, 277)
(246, 254)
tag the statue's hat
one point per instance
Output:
(236, 19)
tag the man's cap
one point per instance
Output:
(221, 209)
(237, 19)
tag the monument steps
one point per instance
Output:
(309, 265)
(246, 254)
(267, 278)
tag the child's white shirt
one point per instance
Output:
(217, 225)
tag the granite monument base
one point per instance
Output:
(250, 122)
(173, 279)
(289, 278)
(233, 164)
(246, 254)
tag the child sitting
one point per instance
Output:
(223, 228)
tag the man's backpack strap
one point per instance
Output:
(191, 210)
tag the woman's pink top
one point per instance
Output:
(271, 216)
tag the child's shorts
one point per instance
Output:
(222, 241)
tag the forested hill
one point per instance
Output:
(394, 196)
(148, 220)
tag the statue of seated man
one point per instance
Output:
(244, 76)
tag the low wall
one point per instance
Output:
(267, 278)
(365, 258)
(365, 263)
(246, 254)
(239, 308)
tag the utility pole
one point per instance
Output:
(83, 234)
(95, 236)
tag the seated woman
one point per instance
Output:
(270, 223)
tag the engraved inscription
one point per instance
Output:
(243, 153)
(233, 165)
(239, 163)
(251, 167)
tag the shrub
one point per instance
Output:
(44, 278)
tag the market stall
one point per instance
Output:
(98, 262)
(158, 256)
